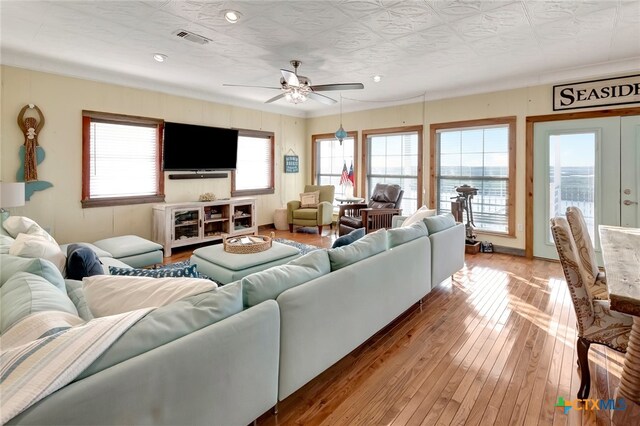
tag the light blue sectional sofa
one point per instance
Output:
(227, 356)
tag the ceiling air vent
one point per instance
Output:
(191, 37)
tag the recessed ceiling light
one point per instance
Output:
(377, 78)
(232, 16)
(159, 57)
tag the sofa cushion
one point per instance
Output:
(190, 271)
(15, 225)
(349, 238)
(268, 284)
(76, 294)
(171, 322)
(419, 215)
(26, 293)
(439, 223)
(82, 262)
(127, 245)
(28, 245)
(5, 243)
(365, 247)
(37, 266)
(307, 214)
(115, 294)
(405, 234)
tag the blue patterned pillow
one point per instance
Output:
(186, 272)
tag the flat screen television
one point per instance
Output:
(193, 147)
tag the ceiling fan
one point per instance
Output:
(297, 88)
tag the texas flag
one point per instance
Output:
(350, 175)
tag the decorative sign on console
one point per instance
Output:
(597, 93)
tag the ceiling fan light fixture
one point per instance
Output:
(296, 95)
(159, 57)
(232, 16)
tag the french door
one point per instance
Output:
(593, 164)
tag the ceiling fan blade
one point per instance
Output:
(247, 85)
(291, 78)
(275, 98)
(337, 86)
(322, 98)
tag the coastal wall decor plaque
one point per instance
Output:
(31, 153)
(597, 93)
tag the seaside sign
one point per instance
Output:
(597, 93)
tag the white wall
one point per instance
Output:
(62, 100)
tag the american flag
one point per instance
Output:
(344, 177)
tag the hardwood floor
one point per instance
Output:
(494, 346)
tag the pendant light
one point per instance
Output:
(340, 133)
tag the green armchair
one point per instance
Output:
(320, 215)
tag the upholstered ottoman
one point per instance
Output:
(226, 267)
(133, 250)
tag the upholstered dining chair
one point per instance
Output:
(596, 322)
(376, 214)
(318, 212)
(596, 279)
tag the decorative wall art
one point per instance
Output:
(291, 162)
(31, 153)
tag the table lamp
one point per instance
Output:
(11, 195)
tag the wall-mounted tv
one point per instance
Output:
(192, 147)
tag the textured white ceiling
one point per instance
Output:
(430, 48)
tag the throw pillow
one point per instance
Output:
(186, 272)
(36, 266)
(309, 200)
(347, 239)
(404, 234)
(5, 244)
(15, 225)
(115, 294)
(82, 262)
(365, 247)
(38, 246)
(420, 214)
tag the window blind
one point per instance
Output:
(122, 160)
(253, 168)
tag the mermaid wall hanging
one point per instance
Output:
(31, 153)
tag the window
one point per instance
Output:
(330, 158)
(479, 153)
(254, 169)
(394, 156)
(121, 160)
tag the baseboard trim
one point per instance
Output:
(508, 250)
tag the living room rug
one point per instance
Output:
(304, 249)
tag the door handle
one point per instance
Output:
(629, 202)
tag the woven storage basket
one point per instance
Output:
(258, 243)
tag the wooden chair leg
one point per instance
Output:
(319, 229)
(583, 362)
(291, 227)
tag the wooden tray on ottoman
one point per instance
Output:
(247, 244)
